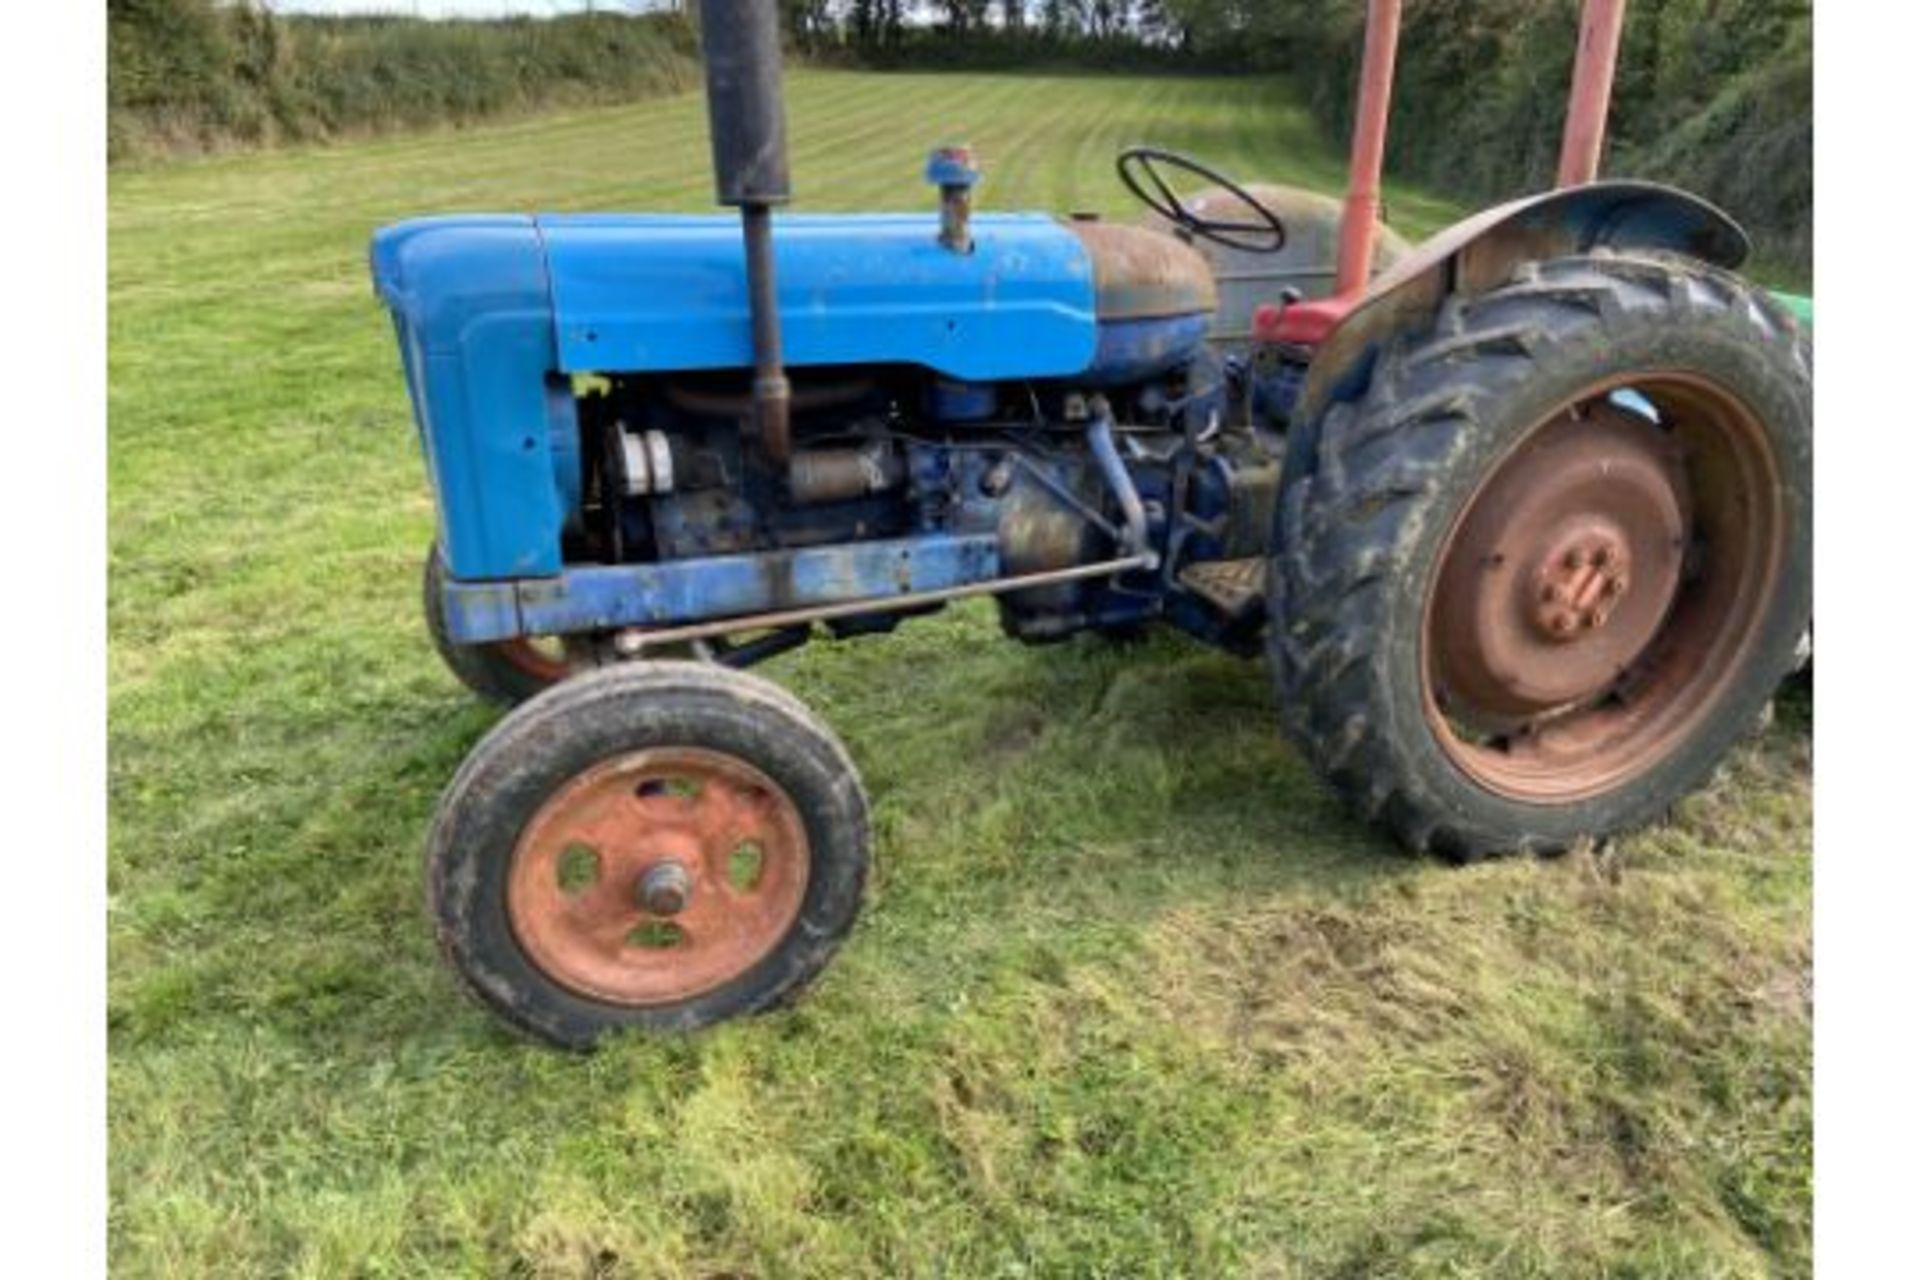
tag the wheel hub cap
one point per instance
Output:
(658, 875)
(1580, 581)
(664, 889)
(1563, 570)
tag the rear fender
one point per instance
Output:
(1480, 253)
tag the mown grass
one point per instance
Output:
(206, 75)
(1130, 995)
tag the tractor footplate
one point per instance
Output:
(1234, 587)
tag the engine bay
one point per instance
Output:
(671, 470)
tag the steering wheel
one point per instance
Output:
(1265, 234)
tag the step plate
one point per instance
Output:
(1235, 587)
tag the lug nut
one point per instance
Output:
(1616, 586)
(1573, 559)
(1551, 595)
(1563, 622)
(1602, 557)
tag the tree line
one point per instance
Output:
(1712, 95)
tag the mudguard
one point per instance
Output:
(1479, 253)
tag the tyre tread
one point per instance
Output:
(1345, 522)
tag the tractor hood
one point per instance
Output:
(627, 293)
(494, 311)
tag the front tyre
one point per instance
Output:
(1537, 580)
(658, 845)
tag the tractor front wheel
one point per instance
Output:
(656, 845)
(1551, 564)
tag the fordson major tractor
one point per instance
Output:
(1520, 519)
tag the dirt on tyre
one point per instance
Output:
(658, 845)
(1541, 574)
(506, 672)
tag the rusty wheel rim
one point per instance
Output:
(542, 657)
(1601, 587)
(657, 876)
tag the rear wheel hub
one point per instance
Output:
(1563, 569)
(1580, 582)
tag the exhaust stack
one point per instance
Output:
(740, 40)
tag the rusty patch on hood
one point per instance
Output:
(1141, 274)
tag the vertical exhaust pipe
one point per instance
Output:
(740, 41)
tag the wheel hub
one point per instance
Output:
(1580, 581)
(1562, 571)
(664, 888)
(657, 876)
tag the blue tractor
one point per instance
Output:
(1522, 522)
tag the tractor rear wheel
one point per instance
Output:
(654, 845)
(507, 672)
(1537, 579)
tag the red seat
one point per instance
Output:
(1301, 324)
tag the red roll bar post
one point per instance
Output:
(1306, 324)
(1369, 148)
(1592, 91)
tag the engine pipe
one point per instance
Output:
(1133, 541)
(837, 475)
(741, 43)
(772, 394)
(641, 640)
(1592, 91)
(1368, 157)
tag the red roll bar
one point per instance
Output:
(1592, 91)
(1308, 323)
(1369, 148)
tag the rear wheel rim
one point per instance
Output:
(1602, 587)
(657, 876)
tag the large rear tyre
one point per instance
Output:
(1542, 574)
(507, 672)
(657, 845)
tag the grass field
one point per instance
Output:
(1130, 996)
